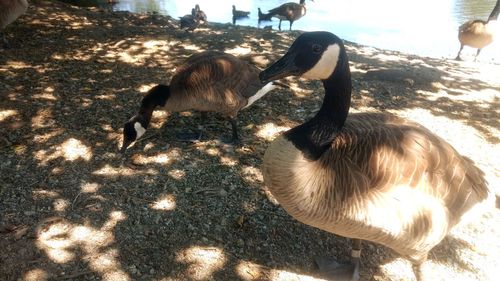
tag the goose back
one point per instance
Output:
(383, 179)
(213, 81)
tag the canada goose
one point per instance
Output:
(10, 10)
(192, 21)
(239, 14)
(366, 176)
(289, 11)
(199, 14)
(207, 81)
(264, 17)
(479, 33)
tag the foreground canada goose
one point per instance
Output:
(207, 81)
(264, 17)
(479, 33)
(367, 176)
(10, 10)
(289, 11)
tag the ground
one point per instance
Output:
(71, 208)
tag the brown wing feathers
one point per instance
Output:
(395, 152)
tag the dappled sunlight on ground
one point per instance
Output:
(61, 239)
(269, 131)
(202, 261)
(74, 208)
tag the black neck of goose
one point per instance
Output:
(495, 12)
(157, 96)
(315, 136)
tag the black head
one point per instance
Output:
(132, 130)
(313, 55)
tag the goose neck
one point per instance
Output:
(494, 14)
(314, 137)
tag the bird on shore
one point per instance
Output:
(366, 176)
(207, 81)
(264, 17)
(192, 21)
(10, 10)
(479, 33)
(289, 11)
(237, 14)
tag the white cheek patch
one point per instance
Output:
(326, 64)
(139, 129)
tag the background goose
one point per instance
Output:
(192, 21)
(367, 176)
(239, 14)
(10, 10)
(207, 81)
(264, 17)
(479, 33)
(289, 11)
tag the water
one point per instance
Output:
(425, 27)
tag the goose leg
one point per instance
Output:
(417, 266)
(477, 54)
(234, 126)
(458, 55)
(4, 40)
(193, 137)
(279, 25)
(291, 22)
(343, 272)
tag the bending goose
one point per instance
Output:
(10, 10)
(479, 33)
(289, 11)
(207, 81)
(366, 176)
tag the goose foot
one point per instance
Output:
(333, 270)
(230, 140)
(336, 271)
(190, 136)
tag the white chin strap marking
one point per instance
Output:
(139, 129)
(326, 64)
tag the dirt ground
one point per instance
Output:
(72, 209)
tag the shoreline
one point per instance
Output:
(73, 208)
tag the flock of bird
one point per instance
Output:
(367, 176)
(287, 11)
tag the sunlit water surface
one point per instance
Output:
(425, 27)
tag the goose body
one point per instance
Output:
(239, 14)
(10, 10)
(478, 33)
(264, 17)
(366, 176)
(289, 11)
(207, 81)
(192, 21)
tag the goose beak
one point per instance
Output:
(284, 67)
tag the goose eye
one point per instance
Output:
(317, 48)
